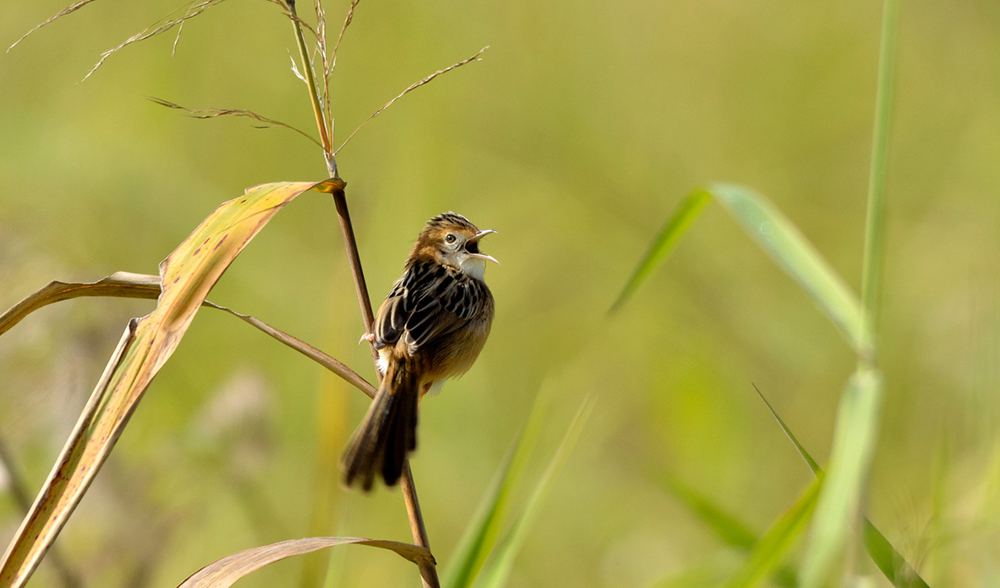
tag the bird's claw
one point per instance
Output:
(370, 337)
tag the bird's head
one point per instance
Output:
(450, 239)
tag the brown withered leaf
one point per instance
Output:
(226, 571)
(118, 285)
(130, 285)
(187, 275)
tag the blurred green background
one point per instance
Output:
(575, 137)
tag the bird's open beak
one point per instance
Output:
(482, 256)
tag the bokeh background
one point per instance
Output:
(575, 137)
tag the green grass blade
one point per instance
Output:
(777, 540)
(709, 574)
(875, 218)
(730, 529)
(502, 563)
(788, 432)
(891, 562)
(664, 243)
(481, 535)
(853, 447)
(795, 254)
(777, 236)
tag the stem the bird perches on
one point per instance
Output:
(428, 573)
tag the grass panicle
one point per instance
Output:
(239, 112)
(68, 10)
(409, 89)
(155, 29)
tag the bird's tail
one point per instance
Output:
(388, 432)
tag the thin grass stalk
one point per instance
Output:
(354, 258)
(428, 572)
(875, 219)
(860, 403)
(871, 273)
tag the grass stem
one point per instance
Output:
(875, 219)
(428, 572)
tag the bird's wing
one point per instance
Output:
(428, 301)
(397, 307)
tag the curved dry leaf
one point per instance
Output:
(187, 275)
(129, 285)
(226, 571)
(118, 285)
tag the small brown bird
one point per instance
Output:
(431, 327)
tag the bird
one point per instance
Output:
(430, 327)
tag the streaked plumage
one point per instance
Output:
(431, 327)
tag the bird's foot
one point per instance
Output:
(370, 337)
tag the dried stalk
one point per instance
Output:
(428, 572)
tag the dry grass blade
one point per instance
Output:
(129, 285)
(18, 490)
(118, 284)
(46, 517)
(306, 349)
(215, 113)
(155, 29)
(69, 9)
(226, 571)
(411, 88)
(187, 275)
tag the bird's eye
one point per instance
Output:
(450, 238)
